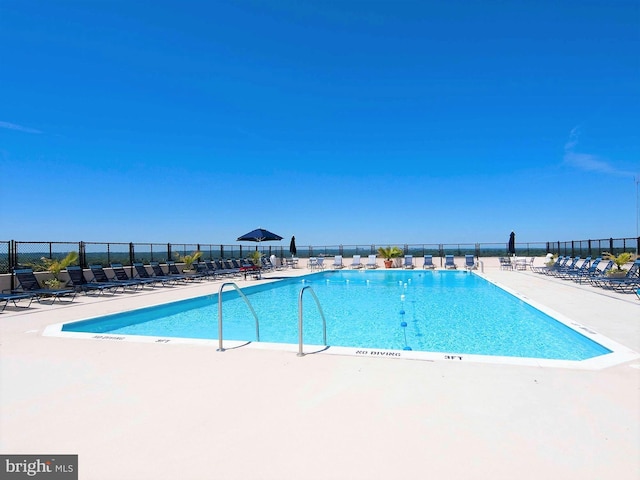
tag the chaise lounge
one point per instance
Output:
(28, 284)
(449, 262)
(15, 298)
(428, 262)
(80, 283)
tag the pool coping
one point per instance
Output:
(619, 353)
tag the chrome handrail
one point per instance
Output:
(220, 348)
(324, 322)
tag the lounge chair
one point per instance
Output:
(540, 268)
(247, 267)
(628, 283)
(213, 267)
(560, 267)
(505, 263)
(599, 274)
(520, 263)
(15, 298)
(159, 272)
(320, 263)
(229, 268)
(449, 262)
(142, 272)
(575, 271)
(408, 262)
(547, 269)
(356, 263)
(428, 262)
(100, 276)
(121, 274)
(28, 284)
(224, 269)
(589, 271)
(173, 270)
(470, 262)
(337, 262)
(80, 283)
(372, 262)
(267, 266)
(564, 267)
(203, 269)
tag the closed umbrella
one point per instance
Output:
(512, 244)
(292, 246)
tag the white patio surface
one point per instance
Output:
(177, 411)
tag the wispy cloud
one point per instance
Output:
(19, 128)
(587, 161)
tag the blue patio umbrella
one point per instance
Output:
(259, 235)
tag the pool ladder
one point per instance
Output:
(300, 322)
(300, 316)
(246, 300)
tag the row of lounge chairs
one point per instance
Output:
(28, 287)
(587, 271)
(317, 263)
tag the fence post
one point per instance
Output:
(132, 254)
(13, 261)
(13, 257)
(168, 251)
(82, 254)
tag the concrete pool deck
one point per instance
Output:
(178, 411)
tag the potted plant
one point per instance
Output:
(389, 253)
(551, 259)
(56, 266)
(256, 258)
(619, 261)
(188, 260)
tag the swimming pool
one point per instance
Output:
(457, 313)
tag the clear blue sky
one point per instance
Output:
(340, 122)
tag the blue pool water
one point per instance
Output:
(434, 311)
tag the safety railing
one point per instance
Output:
(244, 297)
(29, 254)
(300, 319)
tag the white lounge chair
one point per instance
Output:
(372, 262)
(337, 262)
(355, 263)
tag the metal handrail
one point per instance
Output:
(324, 322)
(220, 348)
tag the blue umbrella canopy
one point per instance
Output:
(259, 235)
